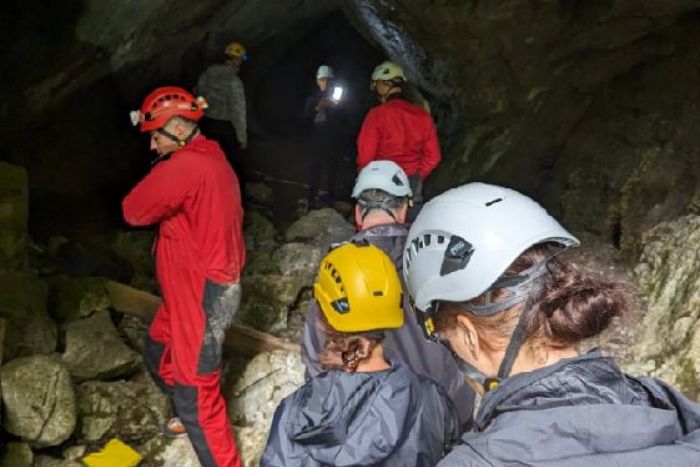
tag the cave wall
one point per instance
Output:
(590, 106)
(587, 105)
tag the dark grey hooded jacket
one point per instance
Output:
(582, 412)
(386, 418)
(407, 343)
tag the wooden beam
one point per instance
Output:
(240, 339)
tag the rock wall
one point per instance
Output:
(588, 106)
(669, 277)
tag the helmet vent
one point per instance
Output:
(378, 293)
(494, 201)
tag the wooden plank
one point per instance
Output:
(240, 339)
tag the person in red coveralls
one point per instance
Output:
(193, 194)
(400, 129)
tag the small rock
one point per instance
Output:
(135, 331)
(74, 453)
(39, 400)
(94, 349)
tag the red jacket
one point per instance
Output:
(195, 197)
(400, 132)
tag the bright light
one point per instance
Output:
(337, 93)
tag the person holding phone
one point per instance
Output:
(324, 111)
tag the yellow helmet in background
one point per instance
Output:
(358, 289)
(236, 50)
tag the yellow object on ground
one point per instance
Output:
(114, 454)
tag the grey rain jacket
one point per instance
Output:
(407, 343)
(385, 418)
(223, 90)
(580, 412)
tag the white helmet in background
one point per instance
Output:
(388, 71)
(324, 71)
(387, 176)
(464, 240)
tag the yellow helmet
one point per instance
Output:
(358, 289)
(236, 49)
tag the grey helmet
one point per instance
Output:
(387, 176)
(464, 240)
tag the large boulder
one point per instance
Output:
(95, 350)
(668, 275)
(38, 400)
(72, 298)
(134, 411)
(321, 227)
(29, 328)
(267, 299)
(17, 455)
(14, 212)
(299, 259)
(267, 379)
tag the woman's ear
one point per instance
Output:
(358, 215)
(469, 334)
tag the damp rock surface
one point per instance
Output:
(38, 400)
(668, 275)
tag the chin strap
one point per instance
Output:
(180, 142)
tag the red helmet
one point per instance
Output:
(165, 103)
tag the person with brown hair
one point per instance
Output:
(482, 267)
(364, 409)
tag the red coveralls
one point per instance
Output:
(200, 252)
(401, 132)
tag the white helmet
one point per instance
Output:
(387, 176)
(464, 240)
(387, 71)
(324, 71)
